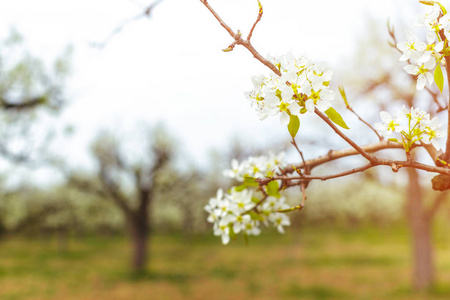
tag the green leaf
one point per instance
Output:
(272, 189)
(255, 200)
(343, 95)
(250, 181)
(393, 140)
(232, 233)
(255, 216)
(439, 77)
(294, 125)
(240, 188)
(336, 117)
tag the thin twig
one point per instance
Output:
(298, 150)
(325, 177)
(361, 151)
(395, 166)
(337, 154)
(361, 119)
(303, 187)
(240, 41)
(145, 13)
(258, 18)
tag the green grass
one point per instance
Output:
(314, 263)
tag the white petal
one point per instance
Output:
(411, 69)
(309, 104)
(430, 64)
(271, 100)
(425, 57)
(323, 105)
(225, 239)
(439, 47)
(385, 116)
(421, 81)
(429, 77)
(284, 118)
(294, 108)
(327, 94)
(420, 46)
(436, 145)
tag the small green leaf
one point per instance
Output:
(255, 216)
(272, 189)
(439, 77)
(232, 233)
(343, 95)
(393, 140)
(294, 125)
(250, 181)
(240, 188)
(336, 117)
(255, 200)
(298, 207)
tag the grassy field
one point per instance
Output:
(312, 263)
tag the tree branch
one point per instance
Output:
(361, 151)
(240, 41)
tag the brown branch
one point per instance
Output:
(239, 41)
(361, 151)
(303, 187)
(323, 178)
(362, 120)
(146, 13)
(337, 154)
(293, 142)
(260, 13)
(395, 166)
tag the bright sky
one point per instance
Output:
(170, 68)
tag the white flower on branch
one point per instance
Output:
(390, 124)
(422, 71)
(302, 86)
(256, 167)
(414, 126)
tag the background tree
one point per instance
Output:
(31, 93)
(128, 175)
(386, 85)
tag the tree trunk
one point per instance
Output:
(139, 236)
(420, 224)
(139, 223)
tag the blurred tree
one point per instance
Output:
(128, 174)
(30, 93)
(378, 83)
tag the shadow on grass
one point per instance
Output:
(438, 291)
(314, 292)
(351, 261)
(223, 272)
(173, 277)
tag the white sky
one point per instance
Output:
(171, 68)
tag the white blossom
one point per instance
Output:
(302, 84)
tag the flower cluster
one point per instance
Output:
(239, 212)
(256, 167)
(414, 125)
(424, 57)
(302, 86)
